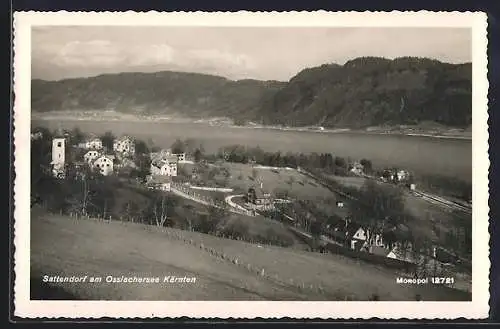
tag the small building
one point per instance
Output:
(124, 145)
(340, 204)
(258, 196)
(91, 156)
(413, 187)
(104, 164)
(162, 183)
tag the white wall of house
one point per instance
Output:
(181, 157)
(104, 165)
(90, 156)
(169, 169)
(95, 144)
(124, 145)
(360, 234)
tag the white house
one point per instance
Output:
(94, 144)
(164, 167)
(181, 157)
(124, 145)
(104, 164)
(360, 238)
(91, 156)
(402, 175)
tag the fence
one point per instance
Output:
(213, 189)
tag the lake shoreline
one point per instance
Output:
(215, 123)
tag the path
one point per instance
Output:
(206, 201)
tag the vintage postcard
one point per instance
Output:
(238, 165)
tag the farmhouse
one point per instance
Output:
(124, 145)
(403, 175)
(162, 183)
(163, 154)
(164, 167)
(91, 144)
(104, 164)
(91, 156)
(181, 157)
(258, 197)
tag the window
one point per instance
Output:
(59, 144)
(107, 165)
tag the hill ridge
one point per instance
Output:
(365, 91)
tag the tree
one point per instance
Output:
(340, 162)
(107, 140)
(209, 222)
(178, 147)
(367, 165)
(255, 173)
(77, 136)
(197, 155)
(143, 163)
(141, 147)
(376, 208)
(162, 207)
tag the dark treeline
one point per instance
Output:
(326, 161)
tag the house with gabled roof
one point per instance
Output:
(124, 145)
(164, 166)
(104, 164)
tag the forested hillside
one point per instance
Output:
(364, 92)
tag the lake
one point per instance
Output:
(424, 155)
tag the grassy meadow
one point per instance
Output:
(224, 269)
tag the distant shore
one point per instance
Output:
(224, 122)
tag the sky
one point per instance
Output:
(264, 53)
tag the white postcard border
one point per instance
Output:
(477, 308)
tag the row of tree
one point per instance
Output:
(325, 161)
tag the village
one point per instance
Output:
(289, 195)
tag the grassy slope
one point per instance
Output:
(64, 246)
(301, 187)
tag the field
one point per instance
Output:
(425, 155)
(298, 186)
(224, 269)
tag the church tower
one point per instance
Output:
(58, 157)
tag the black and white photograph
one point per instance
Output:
(237, 162)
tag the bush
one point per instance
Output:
(236, 230)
